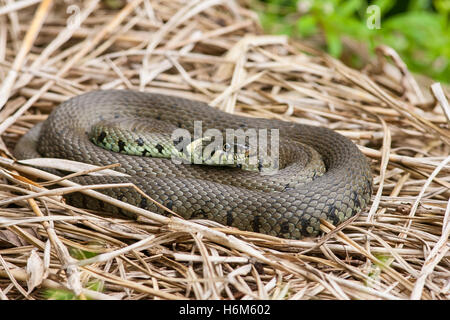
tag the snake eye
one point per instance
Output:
(226, 147)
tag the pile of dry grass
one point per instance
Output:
(214, 51)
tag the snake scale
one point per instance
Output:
(246, 200)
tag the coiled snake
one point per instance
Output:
(276, 204)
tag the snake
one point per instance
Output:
(320, 174)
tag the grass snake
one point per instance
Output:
(285, 204)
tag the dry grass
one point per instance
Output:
(214, 51)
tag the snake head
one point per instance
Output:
(234, 154)
(215, 153)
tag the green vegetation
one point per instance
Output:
(419, 30)
(81, 254)
(62, 294)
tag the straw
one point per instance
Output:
(215, 51)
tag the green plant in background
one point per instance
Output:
(62, 294)
(418, 30)
(81, 254)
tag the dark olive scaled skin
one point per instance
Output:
(246, 200)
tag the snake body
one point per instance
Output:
(278, 204)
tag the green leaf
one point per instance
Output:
(349, 26)
(95, 285)
(349, 8)
(418, 5)
(442, 5)
(385, 5)
(81, 254)
(420, 33)
(63, 294)
(334, 43)
(414, 21)
(307, 26)
(419, 26)
(59, 294)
